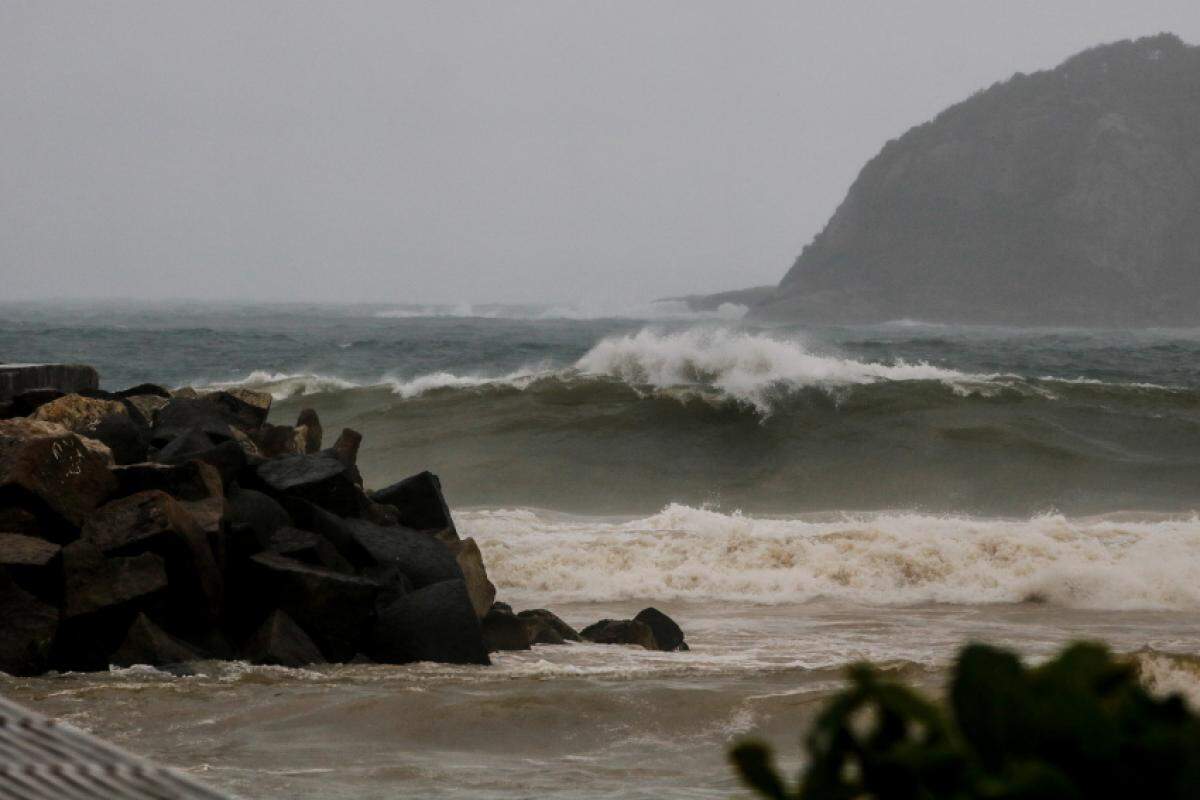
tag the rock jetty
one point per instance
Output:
(151, 526)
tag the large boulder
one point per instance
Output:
(146, 643)
(145, 390)
(420, 504)
(503, 630)
(181, 415)
(144, 406)
(334, 608)
(338, 531)
(308, 548)
(545, 627)
(274, 441)
(154, 522)
(259, 512)
(436, 623)
(189, 481)
(667, 634)
(34, 564)
(106, 421)
(248, 408)
(28, 629)
(279, 641)
(620, 631)
(470, 561)
(230, 457)
(17, 378)
(421, 558)
(58, 471)
(320, 479)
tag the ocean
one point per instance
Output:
(798, 498)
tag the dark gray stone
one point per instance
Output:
(146, 643)
(667, 634)
(29, 626)
(279, 641)
(620, 631)
(547, 628)
(35, 565)
(320, 479)
(419, 502)
(436, 623)
(503, 630)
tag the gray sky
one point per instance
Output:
(449, 152)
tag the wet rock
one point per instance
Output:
(421, 558)
(258, 511)
(470, 561)
(20, 518)
(310, 424)
(279, 641)
(145, 390)
(154, 522)
(335, 529)
(320, 479)
(547, 628)
(436, 623)
(93, 583)
(247, 407)
(620, 631)
(62, 471)
(181, 415)
(18, 378)
(308, 548)
(188, 481)
(279, 440)
(503, 630)
(29, 626)
(419, 502)
(146, 643)
(144, 406)
(334, 608)
(26, 403)
(35, 565)
(667, 634)
(106, 421)
(229, 457)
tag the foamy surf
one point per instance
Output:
(875, 559)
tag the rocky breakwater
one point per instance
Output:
(151, 526)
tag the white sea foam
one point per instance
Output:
(282, 385)
(652, 310)
(883, 558)
(743, 365)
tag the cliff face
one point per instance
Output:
(1070, 196)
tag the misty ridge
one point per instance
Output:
(1065, 197)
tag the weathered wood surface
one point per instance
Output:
(41, 759)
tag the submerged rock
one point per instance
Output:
(146, 643)
(667, 634)
(620, 631)
(279, 641)
(546, 627)
(503, 630)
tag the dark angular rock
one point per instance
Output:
(436, 623)
(320, 479)
(620, 631)
(335, 529)
(229, 457)
(21, 519)
(503, 630)
(345, 449)
(247, 407)
(279, 641)
(547, 628)
(93, 583)
(18, 378)
(145, 390)
(154, 522)
(504, 607)
(420, 503)
(29, 626)
(258, 511)
(308, 548)
(146, 643)
(667, 634)
(183, 414)
(186, 445)
(335, 609)
(470, 561)
(28, 402)
(420, 557)
(144, 407)
(62, 471)
(310, 424)
(274, 441)
(35, 565)
(188, 481)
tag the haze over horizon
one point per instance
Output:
(530, 152)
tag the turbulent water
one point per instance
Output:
(798, 498)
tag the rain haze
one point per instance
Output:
(433, 152)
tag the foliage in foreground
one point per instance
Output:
(1080, 726)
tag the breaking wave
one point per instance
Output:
(1107, 562)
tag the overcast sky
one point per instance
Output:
(466, 152)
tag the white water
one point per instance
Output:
(684, 553)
